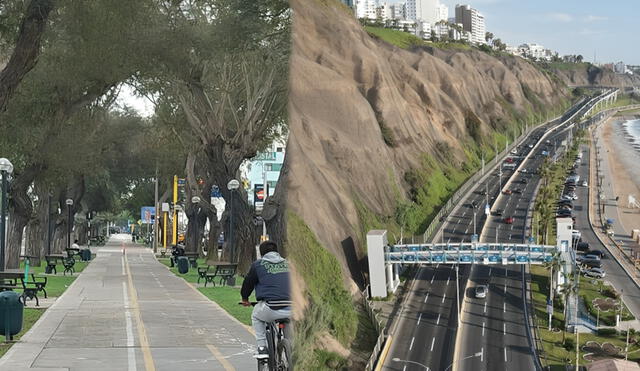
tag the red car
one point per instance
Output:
(508, 220)
(507, 192)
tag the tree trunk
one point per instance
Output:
(274, 211)
(25, 53)
(17, 222)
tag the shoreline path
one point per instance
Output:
(129, 312)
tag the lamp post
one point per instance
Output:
(69, 203)
(6, 168)
(410, 362)
(478, 354)
(195, 200)
(232, 186)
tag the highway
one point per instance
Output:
(427, 323)
(496, 325)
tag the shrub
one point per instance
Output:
(607, 331)
(557, 323)
(569, 344)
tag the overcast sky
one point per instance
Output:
(608, 28)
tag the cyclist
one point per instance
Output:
(269, 276)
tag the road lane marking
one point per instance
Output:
(426, 297)
(444, 296)
(448, 279)
(489, 271)
(505, 354)
(438, 321)
(419, 318)
(412, 340)
(432, 277)
(482, 354)
(142, 332)
(485, 307)
(483, 328)
(433, 341)
(504, 307)
(505, 272)
(504, 329)
(220, 358)
(127, 316)
(404, 368)
(466, 231)
(505, 287)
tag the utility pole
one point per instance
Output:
(175, 211)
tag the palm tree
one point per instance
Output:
(554, 265)
(569, 288)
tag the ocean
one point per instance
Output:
(632, 132)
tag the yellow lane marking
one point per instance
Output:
(383, 355)
(223, 361)
(142, 332)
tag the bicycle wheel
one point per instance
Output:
(263, 365)
(284, 355)
(271, 346)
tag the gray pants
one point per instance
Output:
(263, 314)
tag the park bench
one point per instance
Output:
(52, 261)
(68, 264)
(202, 273)
(223, 272)
(71, 252)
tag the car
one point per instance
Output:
(497, 212)
(523, 181)
(564, 213)
(508, 220)
(514, 152)
(595, 273)
(509, 160)
(517, 190)
(524, 171)
(591, 257)
(481, 291)
(598, 253)
(576, 234)
(583, 246)
(584, 183)
(591, 263)
(530, 146)
(565, 207)
(483, 192)
(565, 202)
(566, 198)
(507, 192)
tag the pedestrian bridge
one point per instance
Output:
(469, 253)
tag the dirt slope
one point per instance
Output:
(349, 92)
(585, 74)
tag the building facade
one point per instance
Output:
(264, 168)
(473, 22)
(423, 10)
(365, 9)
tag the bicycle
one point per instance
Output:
(280, 359)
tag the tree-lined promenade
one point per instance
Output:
(215, 70)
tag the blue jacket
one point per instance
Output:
(270, 278)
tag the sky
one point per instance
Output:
(608, 28)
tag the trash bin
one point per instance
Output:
(183, 264)
(86, 255)
(11, 310)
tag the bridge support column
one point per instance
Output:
(376, 241)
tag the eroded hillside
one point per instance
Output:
(380, 136)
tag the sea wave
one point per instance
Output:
(631, 130)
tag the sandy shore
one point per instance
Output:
(624, 161)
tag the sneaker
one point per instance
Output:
(263, 353)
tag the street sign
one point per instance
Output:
(215, 191)
(165, 207)
(182, 181)
(258, 193)
(549, 306)
(147, 213)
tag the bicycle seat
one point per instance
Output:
(282, 320)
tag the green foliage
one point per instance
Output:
(323, 278)
(400, 39)
(607, 331)
(474, 126)
(569, 344)
(328, 361)
(387, 134)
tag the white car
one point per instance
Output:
(584, 183)
(576, 234)
(595, 272)
(481, 291)
(591, 257)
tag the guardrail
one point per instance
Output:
(382, 334)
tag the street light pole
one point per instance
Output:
(69, 203)
(478, 354)
(6, 168)
(232, 186)
(410, 362)
(196, 201)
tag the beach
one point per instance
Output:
(621, 146)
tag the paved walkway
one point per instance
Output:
(128, 312)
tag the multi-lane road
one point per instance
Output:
(425, 333)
